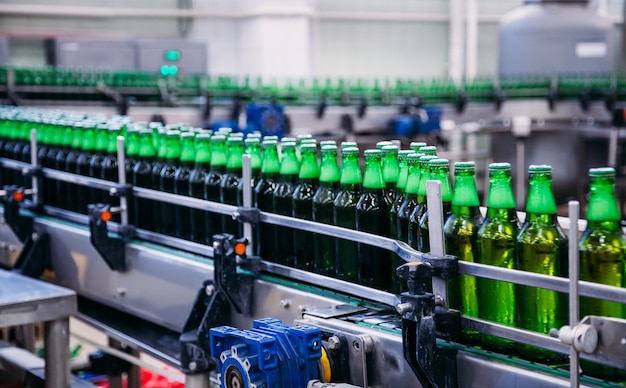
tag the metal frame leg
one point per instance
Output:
(197, 381)
(57, 341)
(115, 381)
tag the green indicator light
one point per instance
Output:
(173, 70)
(172, 55)
(169, 70)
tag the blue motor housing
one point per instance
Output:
(268, 119)
(272, 354)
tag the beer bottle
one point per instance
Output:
(213, 181)
(301, 139)
(253, 148)
(541, 248)
(96, 161)
(381, 144)
(202, 161)
(71, 202)
(403, 176)
(344, 213)
(372, 217)
(157, 166)
(439, 171)
(416, 146)
(82, 166)
(429, 150)
(496, 246)
(109, 169)
(308, 182)
(22, 149)
(181, 184)
(282, 202)
(391, 170)
(230, 181)
(323, 200)
(420, 206)
(49, 196)
(132, 145)
(263, 195)
(62, 188)
(166, 181)
(142, 177)
(602, 249)
(461, 231)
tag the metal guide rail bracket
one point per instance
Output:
(212, 308)
(433, 366)
(112, 249)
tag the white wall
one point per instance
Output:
(326, 38)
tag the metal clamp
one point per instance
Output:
(112, 249)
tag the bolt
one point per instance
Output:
(121, 291)
(284, 303)
(334, 342)
(404, 308)
(193, 366)
(35, 237)
(368, 343)
(209, 290)
(12, 248)
(439, 301)
(302, 308)
(236, 216)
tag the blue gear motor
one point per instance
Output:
(271, 355)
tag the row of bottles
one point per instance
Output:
(387, 199)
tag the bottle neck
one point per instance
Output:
(540, 196)
(603, 204)
(465, 194)
(373, 178)
(500, 194)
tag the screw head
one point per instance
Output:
(404, 308)
(334, 342)
(193, 366)
(209, 290)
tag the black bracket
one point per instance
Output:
(362, 107)
(248, 214)
(21, 225)
(320, 109)
(461, 102)
(214, 301)
(433, 366)
(119, 191)
(499, 97)
(34, 258)
(112, 249)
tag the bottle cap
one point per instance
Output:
(329, 148)
(373, 153)
(500, 166)
(539, 168)
(413, 157)
(439, 162)
(602, 171)
(464, 165)
(350, 151)
(390, 149)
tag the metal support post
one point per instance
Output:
(574, 208)
(121, 171)
(247, 199)
(57, 345)
(613, 140)
(33, 161)
(197, 381)
(435, 232)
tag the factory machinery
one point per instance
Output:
(226, 317)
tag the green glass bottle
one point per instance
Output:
(496, 246)
(323, 203)
(416, 146)
(172, 160)
(381, 144)
(96, 161)
(157, 166)
(282, 202)
(143, 208)
(541, 248)
(62, 188)
(213, 181)
(308, 182)
(301, 139)
(181, 183)
(344, 213)
(391, 170)
(461, 235)
(420, 205)
(263, 195)
(372, 217)
(230, 181)
(253, 149)
(602, 249)
(110, 173)
(403, 177)
(88, 145)
(197, 176)
(132, 151)
(439, 171)
(49, 196)
(71, 201)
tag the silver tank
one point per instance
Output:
(555, 37)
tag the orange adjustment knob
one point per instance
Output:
(18, 196)
(105, 216)
(240, 249)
